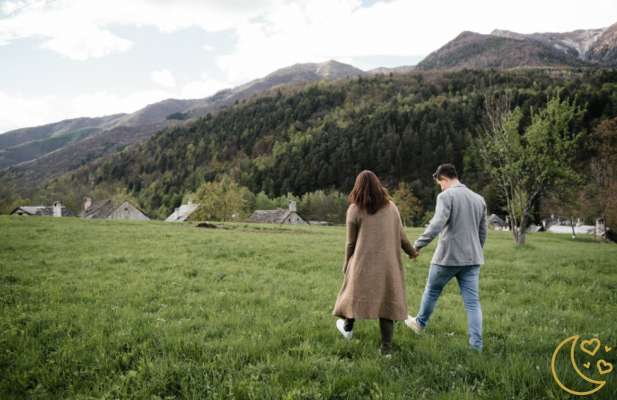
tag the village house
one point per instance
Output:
(548, 222)
(279, 216)
(535, 228)
(565, 227)
(497, 223)
(57, 210)
(183, 212)
(111, 209)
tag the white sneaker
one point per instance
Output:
(340, 324)
(386, 356)
(411, 322)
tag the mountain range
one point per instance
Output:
(35, 155)
(505, 49)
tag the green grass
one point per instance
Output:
(153, 310)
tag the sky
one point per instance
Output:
(63, 59)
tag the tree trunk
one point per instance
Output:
(512, 222)
(605, 229)
(523, 225)
(572, 223)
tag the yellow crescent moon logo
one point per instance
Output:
(601, 383)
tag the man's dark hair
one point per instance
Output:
(447, 170)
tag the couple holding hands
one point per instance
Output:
(374, 284)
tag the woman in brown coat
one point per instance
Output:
(374, 285)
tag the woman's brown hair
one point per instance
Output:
(368, 194)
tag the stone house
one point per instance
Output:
(498, 223)
(279, 216)
(111, 209)
(548, 222)
(182, 213)
(57, 210)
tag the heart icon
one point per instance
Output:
(607, 349)
(587, 365)
(594, 340)
(607, 370)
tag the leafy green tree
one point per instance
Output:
(176, 201)
(426, 219)
(220, 200)
(527, 166)
(604, 170)
(408, 205)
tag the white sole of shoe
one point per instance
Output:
(340, 325)
(411, 322)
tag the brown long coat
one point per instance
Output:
(374, 285)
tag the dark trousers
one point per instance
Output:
(386, 327)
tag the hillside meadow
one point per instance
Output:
(97, 309)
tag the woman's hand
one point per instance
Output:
(415, 256)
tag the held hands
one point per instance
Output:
(415, 256)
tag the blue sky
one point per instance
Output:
(74, 58)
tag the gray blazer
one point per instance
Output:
(460, 222)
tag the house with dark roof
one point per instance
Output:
(498, 223)
(548, 222)
(57, 210)
(279, 216)
(111, 209)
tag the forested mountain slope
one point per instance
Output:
(19, 148)
(301, 138)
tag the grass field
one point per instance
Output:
(152, 310)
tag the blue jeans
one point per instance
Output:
(467, 278)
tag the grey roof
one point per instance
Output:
(277, 216)
(43, 211)
(495, 220)
(182, 213)
(102, 209)
(548, 222)
(535, 228)
(270, 216)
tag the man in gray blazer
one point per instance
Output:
(460, 222)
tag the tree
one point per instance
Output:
(220, 200)
(524, 167)
(408, 205)
(604, 170)
(426, 219)
(263, 202)
(567, 202)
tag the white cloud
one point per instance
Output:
(268, 34)
(17, 109)
(92, 42)
(275, 33)
(203, 88)
(76, 28)
(164, 78)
